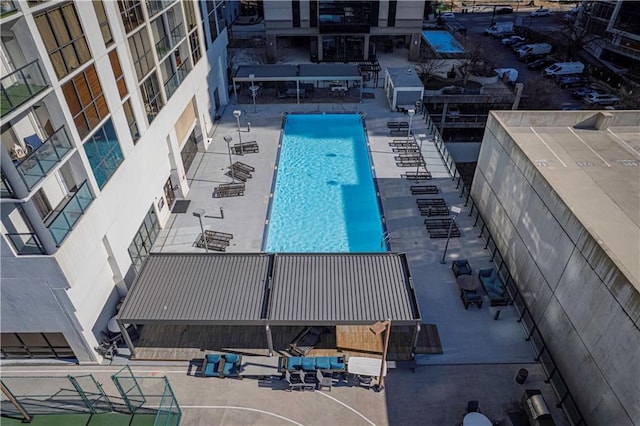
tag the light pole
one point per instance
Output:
(228, 140)
(253, 91)
(237, 113)
(376, 329)
(456, 211)
(422, 137)
(411, 113)
(199, 213)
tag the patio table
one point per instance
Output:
(476, 419)
(468, 282)
(363, 366)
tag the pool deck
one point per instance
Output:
(481, 355)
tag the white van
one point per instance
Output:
(563, 68)
(534, 49)
(510, 74)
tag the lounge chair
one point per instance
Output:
(229, 190)
(410, 163)
(494, 286)
(434, 210)
(470, 297)
(461, 267)
(431, 202)
(423, 189)
(305, 340)
(237, 174)
(246, 147)
(417, 175)
(212, 244)
(231, 367)
(215, 235)
(243, 167)
(212, 365)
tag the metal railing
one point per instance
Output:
(21, 85)
(74, 208)
(26, 243)
(554, 377)
(172, 84)
(35, 166)
(7, 8)
(177, 33)
(163, 47)
(155, 6)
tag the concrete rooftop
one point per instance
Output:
(592, 161)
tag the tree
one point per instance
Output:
(578, 34)
(477, 63)
(540, 94)
(429, 66)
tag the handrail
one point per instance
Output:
(72, 210)
(38, 163)
(20, 77)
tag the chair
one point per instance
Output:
(473, 407)
(470, 297)
(231, 367)
(295, 382)
(323, 381)
(461, 267)
(212, 365)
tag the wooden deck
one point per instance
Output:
(188, 342)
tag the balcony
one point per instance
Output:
(26, 243)
(20, 86)
(177, 34)
(162, 48)
(69, 212)
(155, 6)
(35, 166)
(172, 84)
(7, 8)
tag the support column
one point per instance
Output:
(127, 339)
(445, 107)
(272, 45)
(366, 47)
(320, 49)
(416, 335)
(267, 330)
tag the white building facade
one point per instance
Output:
(103, 111)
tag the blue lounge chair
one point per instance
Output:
(212, 365)
(231, 367)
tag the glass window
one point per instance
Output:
(104, 153)
(194, 43)
(62, 34)
(222, 24)
(131, 121)
(140, 47)
(190, 14)
(151, 96)
(117, 73)
(85, 100)
(145, 237)
(104, 22)
(131, 14)
(212, 26)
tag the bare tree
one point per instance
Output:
(539, 94)
(577, 35)
(428, 66)
(477, 62)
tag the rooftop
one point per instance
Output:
(592, 160)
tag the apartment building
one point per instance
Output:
(612, 30)
(559, 193)
(102, 114)
(339, 31)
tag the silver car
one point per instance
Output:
(602, 99)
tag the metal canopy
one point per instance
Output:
(198, 289)
(278, 289)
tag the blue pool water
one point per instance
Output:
(442, 42)
(325, 199)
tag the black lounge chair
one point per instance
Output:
(417, 175)
(216, 235)
(211, 244)
(229, 190)
(431, 202)
(238, 165)
(237, 174)
(434, 210)
(423, 189)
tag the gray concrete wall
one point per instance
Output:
(33, 299)
(587, 311)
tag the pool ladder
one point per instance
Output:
(386, 238)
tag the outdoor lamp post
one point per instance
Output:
(456, 211)
(199, 213)
(411, 113)
(237, 113)
(422, 137)
(376, 329)
(228, 140)
(254, 89)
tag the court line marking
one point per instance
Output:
(587, 145)
(231, 407)
(548, 147)
(347, 407)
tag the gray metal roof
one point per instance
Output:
(341, 288)
(266, 71)
(404, 77)
(198, 288)
(328, 70)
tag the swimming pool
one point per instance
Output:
(324, 199)
(442, 42)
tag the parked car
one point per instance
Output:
(510, 40)
(452, 90)
(601, 99)
(572, 81)
(518, 45)
(540, 12)
(504, 10)
(584, 91)
(540, 63)
(448, 16)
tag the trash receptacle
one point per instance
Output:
(522, 376)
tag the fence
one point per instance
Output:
(544, 356)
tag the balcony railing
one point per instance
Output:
(20, 86)
(7, 8)
(70, 212)
(177, 34)
(26, 243)
(163, 47)
(35, 166)
(172, 84)
(155, 6)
